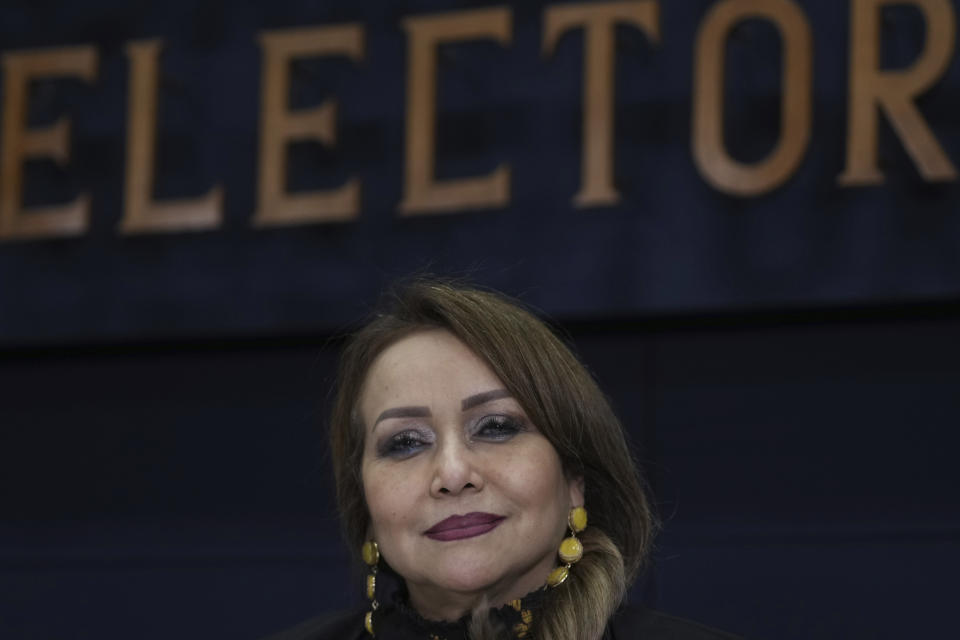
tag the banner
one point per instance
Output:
(265, 168)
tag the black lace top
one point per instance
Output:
(515, 620)
(395, 619)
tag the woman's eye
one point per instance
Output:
(402, 444)
(498, 428)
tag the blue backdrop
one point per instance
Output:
(672, 244)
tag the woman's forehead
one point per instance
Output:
(426, 366)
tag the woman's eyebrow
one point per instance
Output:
(472, 401)
(403, 412)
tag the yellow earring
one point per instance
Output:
(571, 549)
(371, 555)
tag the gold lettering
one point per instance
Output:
(709, 152)
(893, 92)
(422, 193)
(141, 213)
(279, 126)
(598, 21)
(53, 141)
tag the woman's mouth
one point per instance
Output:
(467, 526)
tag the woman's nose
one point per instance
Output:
(456, 470)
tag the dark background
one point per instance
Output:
(788, 366)
(804, 465)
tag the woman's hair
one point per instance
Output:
(559, 396)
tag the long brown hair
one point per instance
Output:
(559, 396)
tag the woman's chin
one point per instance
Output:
(493, 573)
(467, 579)
(499, 584)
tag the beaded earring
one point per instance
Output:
(371, 556)
(571, 549)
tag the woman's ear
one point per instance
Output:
(576, 485)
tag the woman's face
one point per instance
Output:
(467, 498)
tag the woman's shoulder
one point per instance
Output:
(340, 625)
(640, 622)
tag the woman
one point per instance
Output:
(486, 480)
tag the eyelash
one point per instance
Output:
(498, 427)
(402, 445)
(492, 428)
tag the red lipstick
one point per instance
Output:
(472, 524)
